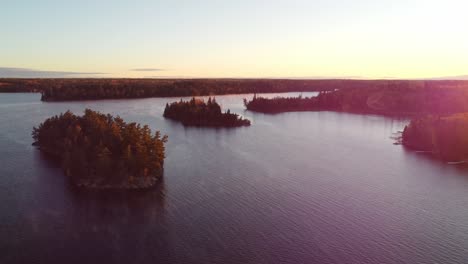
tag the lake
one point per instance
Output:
(306, 187)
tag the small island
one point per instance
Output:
(101, 151)
(197, 112)
(445, 136)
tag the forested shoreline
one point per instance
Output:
(435, 106)
(96, 89)
(289, 104)
(408, 101)
(445, 136)
(439, 115)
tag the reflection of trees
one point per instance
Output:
(125, 226)
(67, 224)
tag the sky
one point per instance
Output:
(234, 39)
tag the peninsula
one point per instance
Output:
(382, 98)
(445, 136)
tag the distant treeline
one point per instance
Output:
(93, 89)
(445, 136)
(411, 98)
(23, 85)
(197, 112)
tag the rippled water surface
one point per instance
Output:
(308, 187)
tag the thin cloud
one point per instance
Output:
(459, 77)
(169, 77)
(147, 69)
(10, 72)
(352, 77)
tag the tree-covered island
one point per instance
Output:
(102, 151)
(197, 112)
(445, 136)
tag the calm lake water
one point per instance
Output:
(308, 187)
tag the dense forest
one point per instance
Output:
(102, 151)
(197, 112)
(22, 85)
(445, 136)
(416, 99)
(93, 89)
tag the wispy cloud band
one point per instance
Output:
(11, 72)
(147, 69)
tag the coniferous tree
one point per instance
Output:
(97, 149)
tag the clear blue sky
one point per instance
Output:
(347, 38)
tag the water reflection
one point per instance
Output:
(121, 226)
(428, 158)
(305, 187)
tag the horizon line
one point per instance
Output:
(454, 78)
